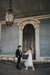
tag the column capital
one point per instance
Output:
(37, 27)
(21, 28)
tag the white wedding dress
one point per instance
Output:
(29, 62)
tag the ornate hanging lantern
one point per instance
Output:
(10, 15)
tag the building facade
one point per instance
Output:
(11, 37)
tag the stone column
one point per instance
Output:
(20, 35)
(37, 42)
(0, 34)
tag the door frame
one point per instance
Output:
(36, 26)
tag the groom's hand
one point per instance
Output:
(18, 56)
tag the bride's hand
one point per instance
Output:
(23, 53)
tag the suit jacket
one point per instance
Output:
(18, 53)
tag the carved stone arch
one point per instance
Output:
(34, 22)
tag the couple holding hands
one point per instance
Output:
(28, 62)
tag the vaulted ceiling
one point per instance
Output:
(25, 8)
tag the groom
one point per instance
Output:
(18, 55)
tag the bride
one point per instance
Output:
(28, 62)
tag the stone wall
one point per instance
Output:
(9, 39)
(45, 38)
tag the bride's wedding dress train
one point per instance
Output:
(29, 62)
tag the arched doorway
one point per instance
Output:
(29, 39)
(36, 26)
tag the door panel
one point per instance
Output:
(29, 39)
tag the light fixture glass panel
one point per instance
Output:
(7, 16)
(11, 17)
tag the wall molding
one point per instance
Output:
(33, 17)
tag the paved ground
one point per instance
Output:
(9, 68)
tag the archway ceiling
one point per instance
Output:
(25, 8)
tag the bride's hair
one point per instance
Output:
(30, 49)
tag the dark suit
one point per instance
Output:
(18, 55)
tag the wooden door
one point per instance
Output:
(29, 39)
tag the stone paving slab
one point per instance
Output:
(9, 68)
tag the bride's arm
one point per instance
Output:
(26, 53)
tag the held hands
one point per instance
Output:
(23, 53)
(18, 56)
